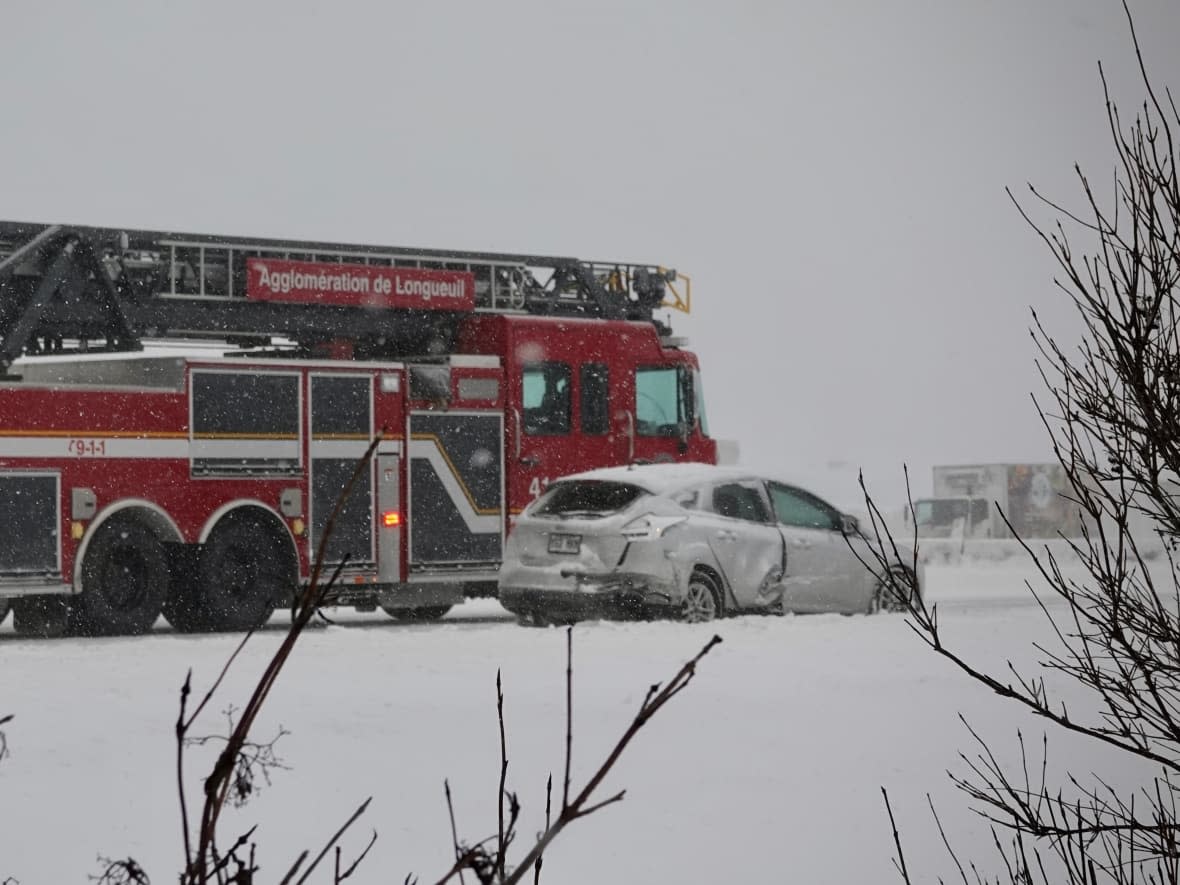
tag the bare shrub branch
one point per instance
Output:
(120, 872)
(491, 867)
(1113, 418)
(241, 761)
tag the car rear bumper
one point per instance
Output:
(615, 596)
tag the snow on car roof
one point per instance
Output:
(662, 478)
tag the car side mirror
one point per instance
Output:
(849, 525)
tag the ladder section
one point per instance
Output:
(103, 288)
(208, 267)
(204, 268)
(56, 286)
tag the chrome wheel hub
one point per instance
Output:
(699, 604)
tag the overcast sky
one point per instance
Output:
(830, 174)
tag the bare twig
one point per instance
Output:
(336, 838)
(899, 861)
(569, 715)
(582, 804)
(454, 829)
(502, 840)
(4, 720)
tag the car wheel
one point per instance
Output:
(4, 606)
(702, 602)
(894, 592)
(425, 613)
(124, 580)
(537, 619)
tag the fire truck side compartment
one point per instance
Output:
(30, 544)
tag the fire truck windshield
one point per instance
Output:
(667, 400)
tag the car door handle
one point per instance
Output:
(800, 542)
(726, 535)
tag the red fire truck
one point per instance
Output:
(136, 480)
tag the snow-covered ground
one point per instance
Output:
(768, 768)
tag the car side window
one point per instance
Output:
(739, 501)
(797, 508)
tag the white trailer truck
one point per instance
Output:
(981, 500)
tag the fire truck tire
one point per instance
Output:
(245, 569)
(425, 613)
(42, 616)
(125, 580)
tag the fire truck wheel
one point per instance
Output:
(124, 580)
(426, 613)
(245, 569)
(42, 616)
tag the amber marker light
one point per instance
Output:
(391, 519)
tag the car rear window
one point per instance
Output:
(587, 498)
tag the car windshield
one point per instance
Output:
(587, 498)
(944, 511)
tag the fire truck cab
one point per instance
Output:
(201, 482)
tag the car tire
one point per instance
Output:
(417, 615)
(5, 605)
(885, 597)
(537, 619)
(702, 601)
(124, 580)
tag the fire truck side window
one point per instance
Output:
(340, 405)
(594, 398)
(545, 399)
(245, 422)
(662, 400)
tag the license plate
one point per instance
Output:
(565, 543)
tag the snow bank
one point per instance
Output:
(767, 767)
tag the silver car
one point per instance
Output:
(688, 540)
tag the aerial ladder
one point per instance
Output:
(85, 289)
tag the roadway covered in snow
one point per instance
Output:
(768, 767)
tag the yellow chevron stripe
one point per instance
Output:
(280, 436)
(481, 511)
(99, 434)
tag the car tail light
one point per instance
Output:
(391, 519)
(650, 526)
